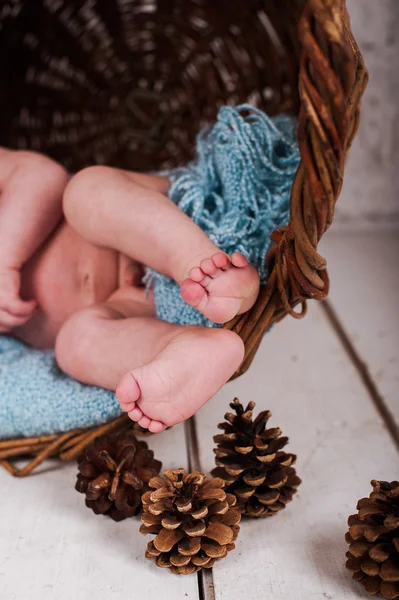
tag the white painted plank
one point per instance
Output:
(364, 276)
(302, 374)
(52, 546)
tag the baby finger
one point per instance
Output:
(21, 308)
(9, 321)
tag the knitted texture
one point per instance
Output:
(238, 192)
(36, 398)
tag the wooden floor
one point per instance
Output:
(331, 382)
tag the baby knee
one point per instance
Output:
(83, 189)
(37, 169)
(74, 343)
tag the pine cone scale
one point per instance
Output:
(254, 480)
(168, 522)
(380, 552)
(167, 538)
(179, 560)
(218, 508)
(87, 469)
(214, 550)
(161, 507)
(163, 561)
(189, 546)
(266, 458)
(389, 571)
(200, 513)
(196, 529)
(267, 496)
(389, 590)
(233, 470)
(242, 450)
(222, 534)
(200, 561)
(161, 493)
(152, 550)
(370, 567)
(230, 519)
(146, 529)
(108, 460)
(187, 570)
(96, 487)
(149, 519)
(120, 498)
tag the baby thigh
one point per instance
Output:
(108, 207)
(99, 344)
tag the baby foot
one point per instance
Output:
(182, 378)
(221, 288)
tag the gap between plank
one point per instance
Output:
(193, 454)
(206, 588)
(363, 371)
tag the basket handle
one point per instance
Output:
(332, 78)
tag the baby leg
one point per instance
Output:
(162, 373)
(110, 208)
(128, 212)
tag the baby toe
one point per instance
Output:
(208, 266)
(144, 422)
(192, 292)
(239, 260)
(127, 406)
(196, 274)
(206, 281)
(136, 414)
(220, 260)
(156, 427)
(128, 392)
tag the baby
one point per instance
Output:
(71, 256)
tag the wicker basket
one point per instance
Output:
(129, 84)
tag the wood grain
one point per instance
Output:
(52, 546)
(364, 294)
(317, 398)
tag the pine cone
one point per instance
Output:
(115, 473)
(250, 460)
(193, 519)
(373, 536)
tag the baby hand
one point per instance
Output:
(14, 312)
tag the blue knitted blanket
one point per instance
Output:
(238, 192)
(36, 398)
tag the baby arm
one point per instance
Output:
(31, 188)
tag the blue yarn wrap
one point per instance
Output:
(237, 190)
(36, 398)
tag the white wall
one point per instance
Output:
(371, 191)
